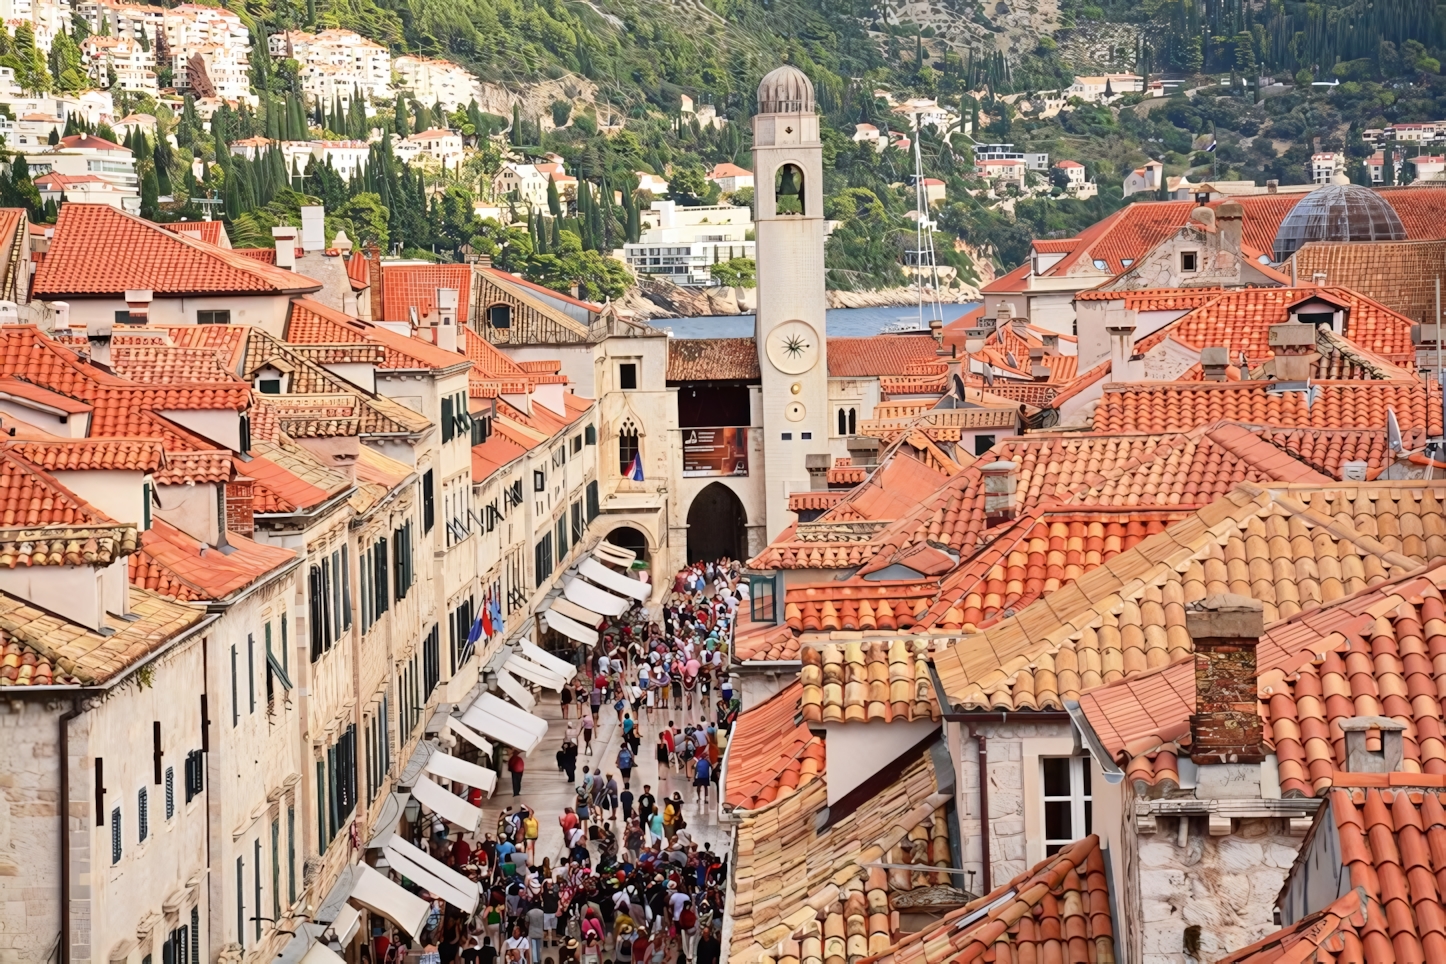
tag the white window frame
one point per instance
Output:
(1080, 815)
(1031, 749)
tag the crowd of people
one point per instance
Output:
(629, 883)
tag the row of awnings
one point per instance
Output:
(597, 592)
(578, 613)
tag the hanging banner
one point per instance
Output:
(715, 451)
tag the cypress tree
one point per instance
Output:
(400, 123)
(554, 203)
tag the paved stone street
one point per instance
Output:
(549, 791)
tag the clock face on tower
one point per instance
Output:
(793, 347)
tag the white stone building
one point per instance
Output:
(135, 68)
(435, 81)
(336, 63)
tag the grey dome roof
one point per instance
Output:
(1337, 212)
(786, 90)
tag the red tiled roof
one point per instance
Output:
(186, 467)
(1056, 911)
(1240, 321)
(173, 564)
(15, 388)
(1060, 245)
(165, 364)
(878, 355)
(407, 286)
(100, 250)
(1010, 282)
(716, 359)
(771, 752)
(279, 490)
(1180, 406)
(1327, 449)
(89, 142)
(1349, 929)
(207, 231)
(91, 454)
(315, 323)
(358, 270)
(1154, 299)
(30, 497)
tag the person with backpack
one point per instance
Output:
(701, 780)
(625, 761)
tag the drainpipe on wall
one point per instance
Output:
(64, 808)
(983, 809)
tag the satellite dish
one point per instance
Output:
(989, 374)
(1393, 431)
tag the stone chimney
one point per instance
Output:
(1000, 481)
(1374, 744)
(1226, 726)
(285, 236)
(1272, 186)
(374, 277)
(240, 506)
(1230, 223)
(1214, 361)
(138, 305)
(1122, 349)
(1294, 345)
(1051, 344)
(1037, 369)
(447, 319)
(817, 466)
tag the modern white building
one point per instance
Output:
(730, 177)
(1324, 165)
(1106, 87)
(82, 154)
(345, 157)
(681, 244)
(437, 145)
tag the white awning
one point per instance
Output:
(535, 672)
(572, 610)
(433, 876)
(614, 580)
(537, 654)
(590, 597)
(515, 691)
(570, 628)
(449, 767)
(375, 891)
(469, 734)
(345, 925)
(495, 705)
(319, 953)
(447, 804)
(617, 555)
(502, 721)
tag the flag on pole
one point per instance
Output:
(635, 467)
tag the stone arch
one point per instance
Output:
(717, 524)
(789, 190)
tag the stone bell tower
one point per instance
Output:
(789, 329)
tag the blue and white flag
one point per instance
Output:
(635, 468)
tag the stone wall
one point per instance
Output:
(29, 790)
(1210, 895)
(1015, 830)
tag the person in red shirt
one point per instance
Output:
(516, 766)
(568, 821)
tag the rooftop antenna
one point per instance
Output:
(924, 232)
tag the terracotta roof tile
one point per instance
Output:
(173, 564)
(167, 365)
(408, 286)
(790, 874)
(91, 454)
(1240, 321)
(1341, 931)
(708, 359)
(1058, 910)
(771, 754)
(99, 250)
(315, 323)
(207, 231)
(879, 355)
(186, 467)
(866, 682)
(1398, 274)
(1296, 548)
(1181, 406)
(77, 655)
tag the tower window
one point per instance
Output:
(628, 376)
(500, 316)
(627, 447)
(788, 190)
(848, 421)
(1189, 261)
